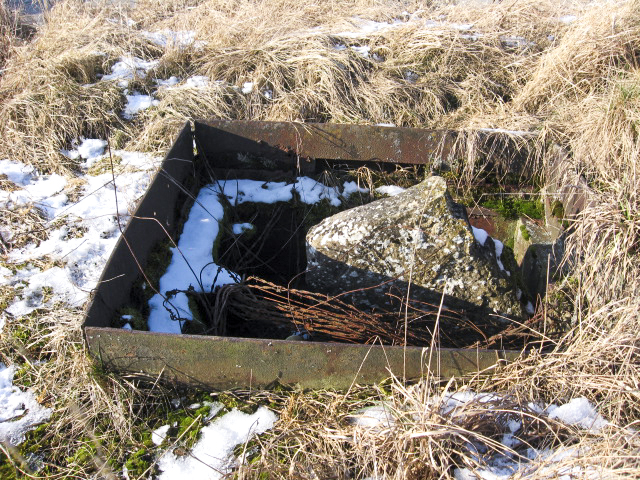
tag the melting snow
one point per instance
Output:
(362, 51)
(212, 457)
(375, 417)
(92, 147)
(80, 256)
(159, 434)
(170, 38)
(16, 172)
(19, 410)
(169, 82)
(365, 27)
(480, 235)
(580, 412)
(240, 228)
(390, 190)
(247, 87)
(129, 68)
(136, 103)
(192, 263)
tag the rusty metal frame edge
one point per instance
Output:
(348, 142)
(226, 362)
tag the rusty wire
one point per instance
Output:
(260, 302)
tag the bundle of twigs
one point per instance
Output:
(322, 316)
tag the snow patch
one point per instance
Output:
(16, 172)
(82, 255)
(172, 39)
(136, 103)
(212, 457)
(19, 410)
(159, 434)
(129, 68)
(580, 412)
(375, 417)
(390, 190)
(480, 235)
(247, 87)
(240, 228)
(362, 51)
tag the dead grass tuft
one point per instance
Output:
(61, 99)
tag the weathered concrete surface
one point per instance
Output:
(538, 250)
(421, 239)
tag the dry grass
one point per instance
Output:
(60, 99)
(576, 84)
(8, 33)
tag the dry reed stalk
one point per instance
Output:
(8, 33)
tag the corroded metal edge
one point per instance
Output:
(409, 146)
(227, 363)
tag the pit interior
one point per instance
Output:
(273, 301)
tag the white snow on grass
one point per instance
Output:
(362, 51)
(312, 191)
(16, 172)
(363, 27)
(172, 39)
(376, 417)
(519, 133)
(5, 275)
(136, 103)
(568, 18)
(169, 82)
(129, 68)
(19, 410)
(196, 81)
(349, 188)
(91, 148)
(212, 457)
(579, 412)
(390, 190)
(80, 256)
(247, 87)
(42, 191)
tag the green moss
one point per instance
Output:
(141, 292)
(119, 138)
(158, 262)
(512, 207)
(510, 242)
(525, 233)
(557, 209)
(83, 455)
(139, 462)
